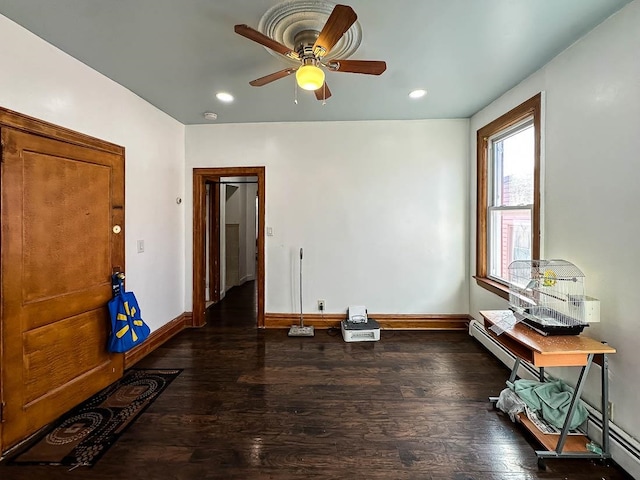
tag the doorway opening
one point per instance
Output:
(224, 251)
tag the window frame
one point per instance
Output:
(529, 108)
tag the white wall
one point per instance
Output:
(591, 193)
(380, 209)
(41, 81)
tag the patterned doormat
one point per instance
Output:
(84, 434)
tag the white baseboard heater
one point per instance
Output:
(625, 450)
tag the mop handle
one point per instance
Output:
(301, 316)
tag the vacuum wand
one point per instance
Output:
(301, 314)
(301, 330)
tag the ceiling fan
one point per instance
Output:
(310, 49)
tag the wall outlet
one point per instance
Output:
(321, 305)
(610, 410)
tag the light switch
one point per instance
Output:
(269, 232)
(140, 246)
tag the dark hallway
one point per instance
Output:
(236, 310)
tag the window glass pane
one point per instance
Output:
(513, 163)
(509, 240)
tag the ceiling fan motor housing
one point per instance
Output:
(304, 41)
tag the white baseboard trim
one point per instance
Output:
(625, 450)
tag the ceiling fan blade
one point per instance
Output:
(323, 92)
(368, 67)
(341, 18)
(259, 82)
(262, 39)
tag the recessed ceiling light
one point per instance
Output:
(418, 93)
(224, 97)
(210, 115)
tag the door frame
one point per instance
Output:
(200, 178)
(35, 126)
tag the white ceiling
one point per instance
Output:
(177, 54)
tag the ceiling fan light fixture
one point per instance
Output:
(310, 77)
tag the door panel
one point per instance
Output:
(59, 204)
(59, 352)
(213, 235)
(232, 255)
(65, 305)
(53, 185)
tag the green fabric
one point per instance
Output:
(551, 400)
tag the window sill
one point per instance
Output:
(493, 286)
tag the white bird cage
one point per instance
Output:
(548, 296)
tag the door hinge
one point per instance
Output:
(2, 405)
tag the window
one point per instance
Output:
(508, 223)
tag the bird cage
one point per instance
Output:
(548, 296)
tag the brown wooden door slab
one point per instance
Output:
(60, 202)
(214, 241)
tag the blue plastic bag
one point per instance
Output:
(127, 327)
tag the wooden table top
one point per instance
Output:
(552, 344)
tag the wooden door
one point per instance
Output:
(60, 202)
(213, 235)
(232, 255)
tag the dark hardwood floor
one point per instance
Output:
(254, 404)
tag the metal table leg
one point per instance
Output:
(514, 370)
(606, 446)
(577, 393)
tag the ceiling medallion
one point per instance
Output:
(284, 21)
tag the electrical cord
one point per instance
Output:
(333, 331)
